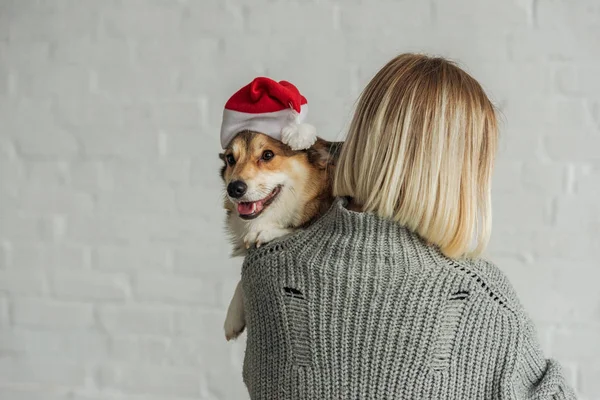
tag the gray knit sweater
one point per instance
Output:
(357, 307)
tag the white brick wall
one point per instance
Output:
(114, 275)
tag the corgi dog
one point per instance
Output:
(270, 191)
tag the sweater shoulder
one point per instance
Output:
(495, 282)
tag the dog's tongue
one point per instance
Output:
(250, 207)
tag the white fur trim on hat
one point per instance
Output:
(272, 124)
(299, 136)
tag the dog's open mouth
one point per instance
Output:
(252, 209)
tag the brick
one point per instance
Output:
(90, 285)
(594, 110)
(534, 286)
(581, 150)
(279, 20)
(7, 149)
(157, 51)
(55, 20)
(88, 112)
(169, 172)
(192, 352)
(578, 80)
(98, 52)
(111, 143)
(115, 174)
(587, 182)
(12, 173)
(589, 385)
(4, 313)
(131, 84)
(559, 118)
(578, 214)
(49, 199)
(50, 344)
(552, 242)
(235, 390)
(47, 173)
(545, 178)
(87, 176)
(13, 55)
(55, 373)
(140, 379)
(213, 16)
(110, 258)
(44, 313)
(183, 231)
(502, 80)
(136, 319)
(41, 142)
(134, 19)
(193, 323)
(48, 80)
(212, 258)
(582, 298)
(559, 13)
(167, 289)
(526, 210)
(528, 45)
(507, 176)
(194, 201)
(5, 255)
(139, 349)
(575, 343)
(491, 14)
(189, 143)
(25, 282)
(107, 229)
(122, 396)
(205, 174)
(184, 114)
(521, 145)
(33, 394)
(140, 200)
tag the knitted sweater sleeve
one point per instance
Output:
(534, 377)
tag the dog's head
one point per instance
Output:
(264, 178)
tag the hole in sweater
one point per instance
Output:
(460, 295)
(298, 320)
(494, 296)
(288, 291)
(448, 328)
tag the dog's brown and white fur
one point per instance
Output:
(271, 190)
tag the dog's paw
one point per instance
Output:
(259, 237)
(235, 323)
(266, 236)
(233, 328)
(250, 238)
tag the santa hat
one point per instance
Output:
(276, 109)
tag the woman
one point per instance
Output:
(385, 296)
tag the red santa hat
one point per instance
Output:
(276, 109)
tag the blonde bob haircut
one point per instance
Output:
(420, 151)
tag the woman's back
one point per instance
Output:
(357, 306)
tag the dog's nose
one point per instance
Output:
(236, 189)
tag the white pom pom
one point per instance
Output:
(299, 136)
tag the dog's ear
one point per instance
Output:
(324, 153)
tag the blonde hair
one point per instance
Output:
(420, 151)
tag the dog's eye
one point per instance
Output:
(230, 159)
(267, 155)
